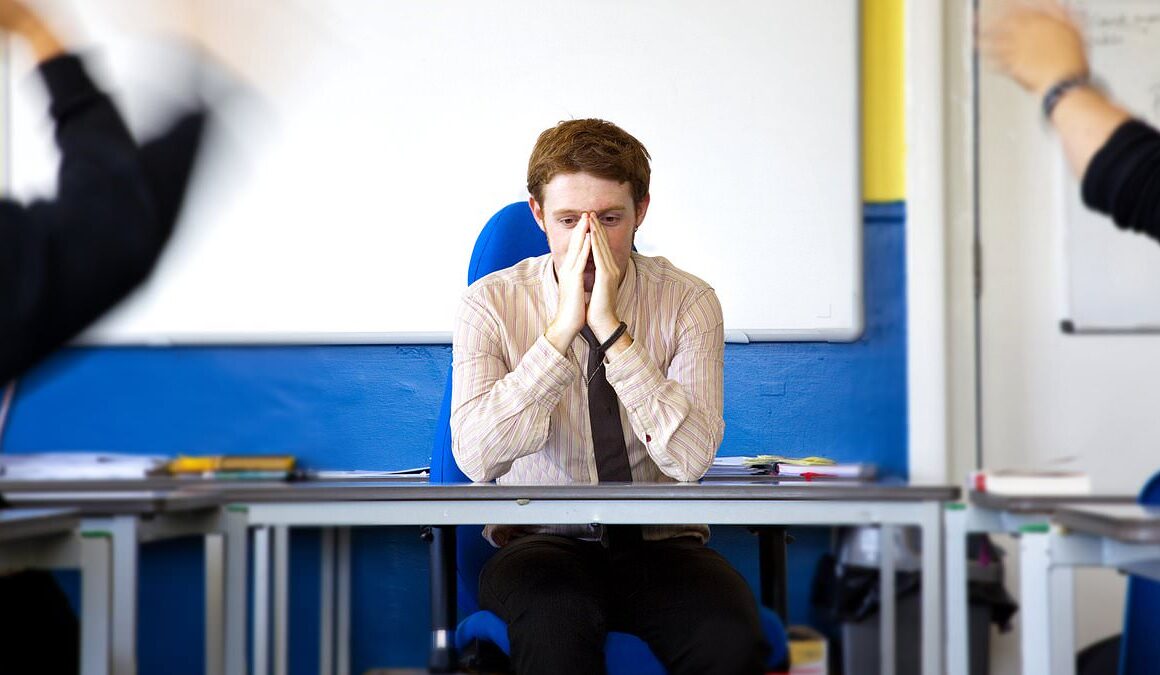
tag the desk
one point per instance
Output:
(1120, 536)
(1115, 524)
(1026, 516)
(767, 502)
(129, 518)
(54, 538)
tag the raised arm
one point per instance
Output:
(1040, 46)
(500, 411)
(66, 261)
(678, 414)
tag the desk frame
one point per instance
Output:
(128, 518)
(90, 552)
(924, 513)
(1046, 577)
(126, 533)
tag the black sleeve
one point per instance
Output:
(65, 262)
(1123, 178)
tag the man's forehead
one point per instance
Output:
(599, 209)
(577, 192)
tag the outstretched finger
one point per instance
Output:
(581, 260)
(575, 242)
(601, 253)
(584, 231)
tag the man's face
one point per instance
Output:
(567, 197)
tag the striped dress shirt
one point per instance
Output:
(519, 409)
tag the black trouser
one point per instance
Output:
(38, 630)
(561, 596)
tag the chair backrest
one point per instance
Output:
(1139, 648)
(510, 236)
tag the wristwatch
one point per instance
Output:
(1056, 92)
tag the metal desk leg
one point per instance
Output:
(886, 605)
(933, 631)
(1062, 589)
(342, 603)
(96, 574)
(957, 612)
(214, 604)
(260, 652)
(281, 593)
(237, 544)
(125, 549)
(124, 544)
(334, 604)
(1035, 603)
(326, 602)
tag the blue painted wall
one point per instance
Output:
(375, 407)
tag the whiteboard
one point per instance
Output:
(380, 136)
(1112, 276)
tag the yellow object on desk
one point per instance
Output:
(762, 460)
(218, 463)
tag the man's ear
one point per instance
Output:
(537, 213)
(641, 209)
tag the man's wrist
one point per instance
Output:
(617, 348)
(560, 338)
(604, 328)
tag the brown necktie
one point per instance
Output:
(607, 434)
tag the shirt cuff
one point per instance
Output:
(633, 376)
(545, 372)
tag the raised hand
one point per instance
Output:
(16, 17)
(570, 312)
(602, 316)
(1038, 44)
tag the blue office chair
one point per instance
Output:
(510, 236)
(1139, 648)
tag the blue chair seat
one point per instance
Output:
(623, 653)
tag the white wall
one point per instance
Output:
(1082, 401)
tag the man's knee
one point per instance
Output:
(558, 633)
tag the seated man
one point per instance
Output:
(594, 363)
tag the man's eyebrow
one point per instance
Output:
(569, 212)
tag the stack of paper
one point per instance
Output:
(349, 474)
(800, 467)
(733, 467)
(78, 465)
(1030, 482)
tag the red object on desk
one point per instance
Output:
(810, 475)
